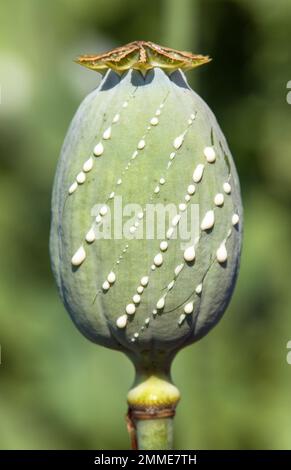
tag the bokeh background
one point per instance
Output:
(57, 390)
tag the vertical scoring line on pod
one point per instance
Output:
(99, 148)
(162, 179)
(98, 151)
(158, 258)
(189, 253)
(207, 225)
(220, 257)
(140, 146)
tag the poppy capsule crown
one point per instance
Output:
(142, 56)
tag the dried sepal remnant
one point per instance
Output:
(143, 56)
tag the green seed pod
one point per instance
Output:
(146, 143)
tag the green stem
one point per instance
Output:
(181, 26)
(154, 434)
(180, 23)
(152, 402)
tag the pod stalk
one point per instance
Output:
(152, 406)
(151, 434)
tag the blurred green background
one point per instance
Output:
(59, 391)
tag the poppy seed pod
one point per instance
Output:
(146, 218)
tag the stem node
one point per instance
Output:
(152, 403)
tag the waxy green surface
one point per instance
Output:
(155, 112)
